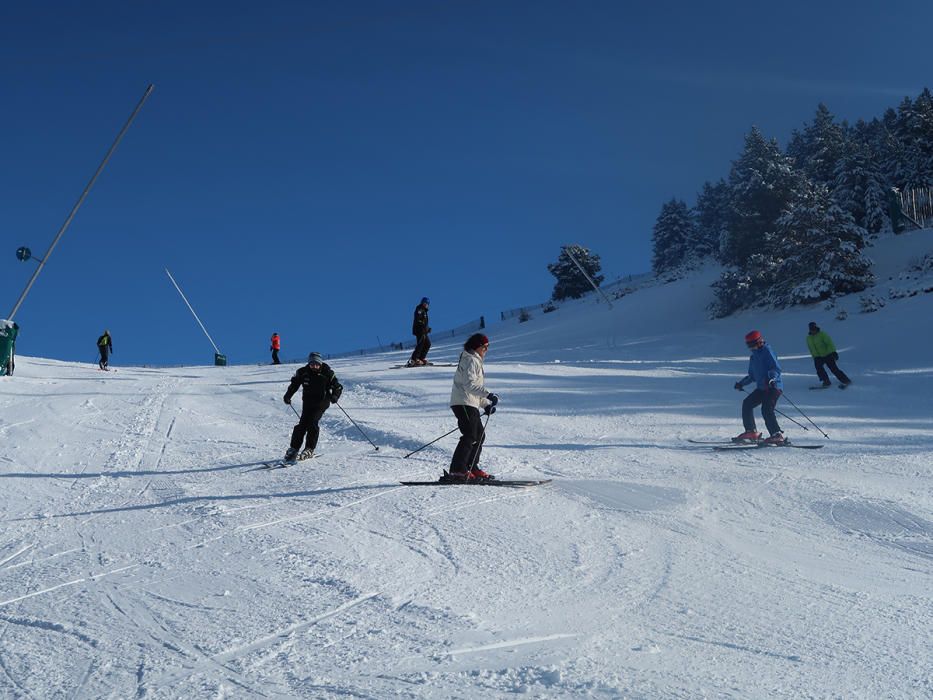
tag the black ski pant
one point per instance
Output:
(307, 428)
(829, 361)
(472, 436)
(275, 357)
(104, 356)
(768, 399)
(421, 347)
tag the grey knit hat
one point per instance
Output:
(315, 359)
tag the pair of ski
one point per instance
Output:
(819, 387)
(427, 364)
(445, 480)
(282, 464)
(728, 445)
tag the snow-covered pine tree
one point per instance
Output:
(876, 204)
(817, 248)
(896, 148)
(673, 235)
(859, 185)
(733, 291)
(817, 149)
(761, 183)
(571, 283)
(917, 131)
(711, 219)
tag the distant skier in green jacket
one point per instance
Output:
(105, 348)
(824, 355)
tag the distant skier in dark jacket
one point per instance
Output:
(420, 329)
(319, 388)
(276, 345)
(824, 355)
(764, 371)
(105, 347)
(8, 332)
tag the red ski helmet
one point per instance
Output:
(753, 339)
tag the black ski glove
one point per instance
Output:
(288, 399)
(489, 410)
(835, 355)
(493, 399)
(738, 386)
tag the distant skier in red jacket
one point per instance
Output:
(276, 346)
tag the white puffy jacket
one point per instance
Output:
(469, 382)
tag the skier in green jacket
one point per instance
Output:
(824, 355)
(105, 348)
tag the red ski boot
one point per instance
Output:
(479, 474)
(776, 440)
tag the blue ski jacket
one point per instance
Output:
(762, 367)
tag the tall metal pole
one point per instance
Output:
(74, 209)
(588, 278)
(216, 349)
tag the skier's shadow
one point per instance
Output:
(198, 500)
(126, 474)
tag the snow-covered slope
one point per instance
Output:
(143, 554)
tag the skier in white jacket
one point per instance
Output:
(468, 395)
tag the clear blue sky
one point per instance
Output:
(316, 168)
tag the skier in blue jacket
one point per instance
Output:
(765, 372)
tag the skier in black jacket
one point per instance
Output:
(420, 329)
(319, 388)
(105, 347)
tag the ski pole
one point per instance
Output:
(296, 412)
(430, 443)
(358, 427)
(792, 420)
(479, 443)
(806, 416)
